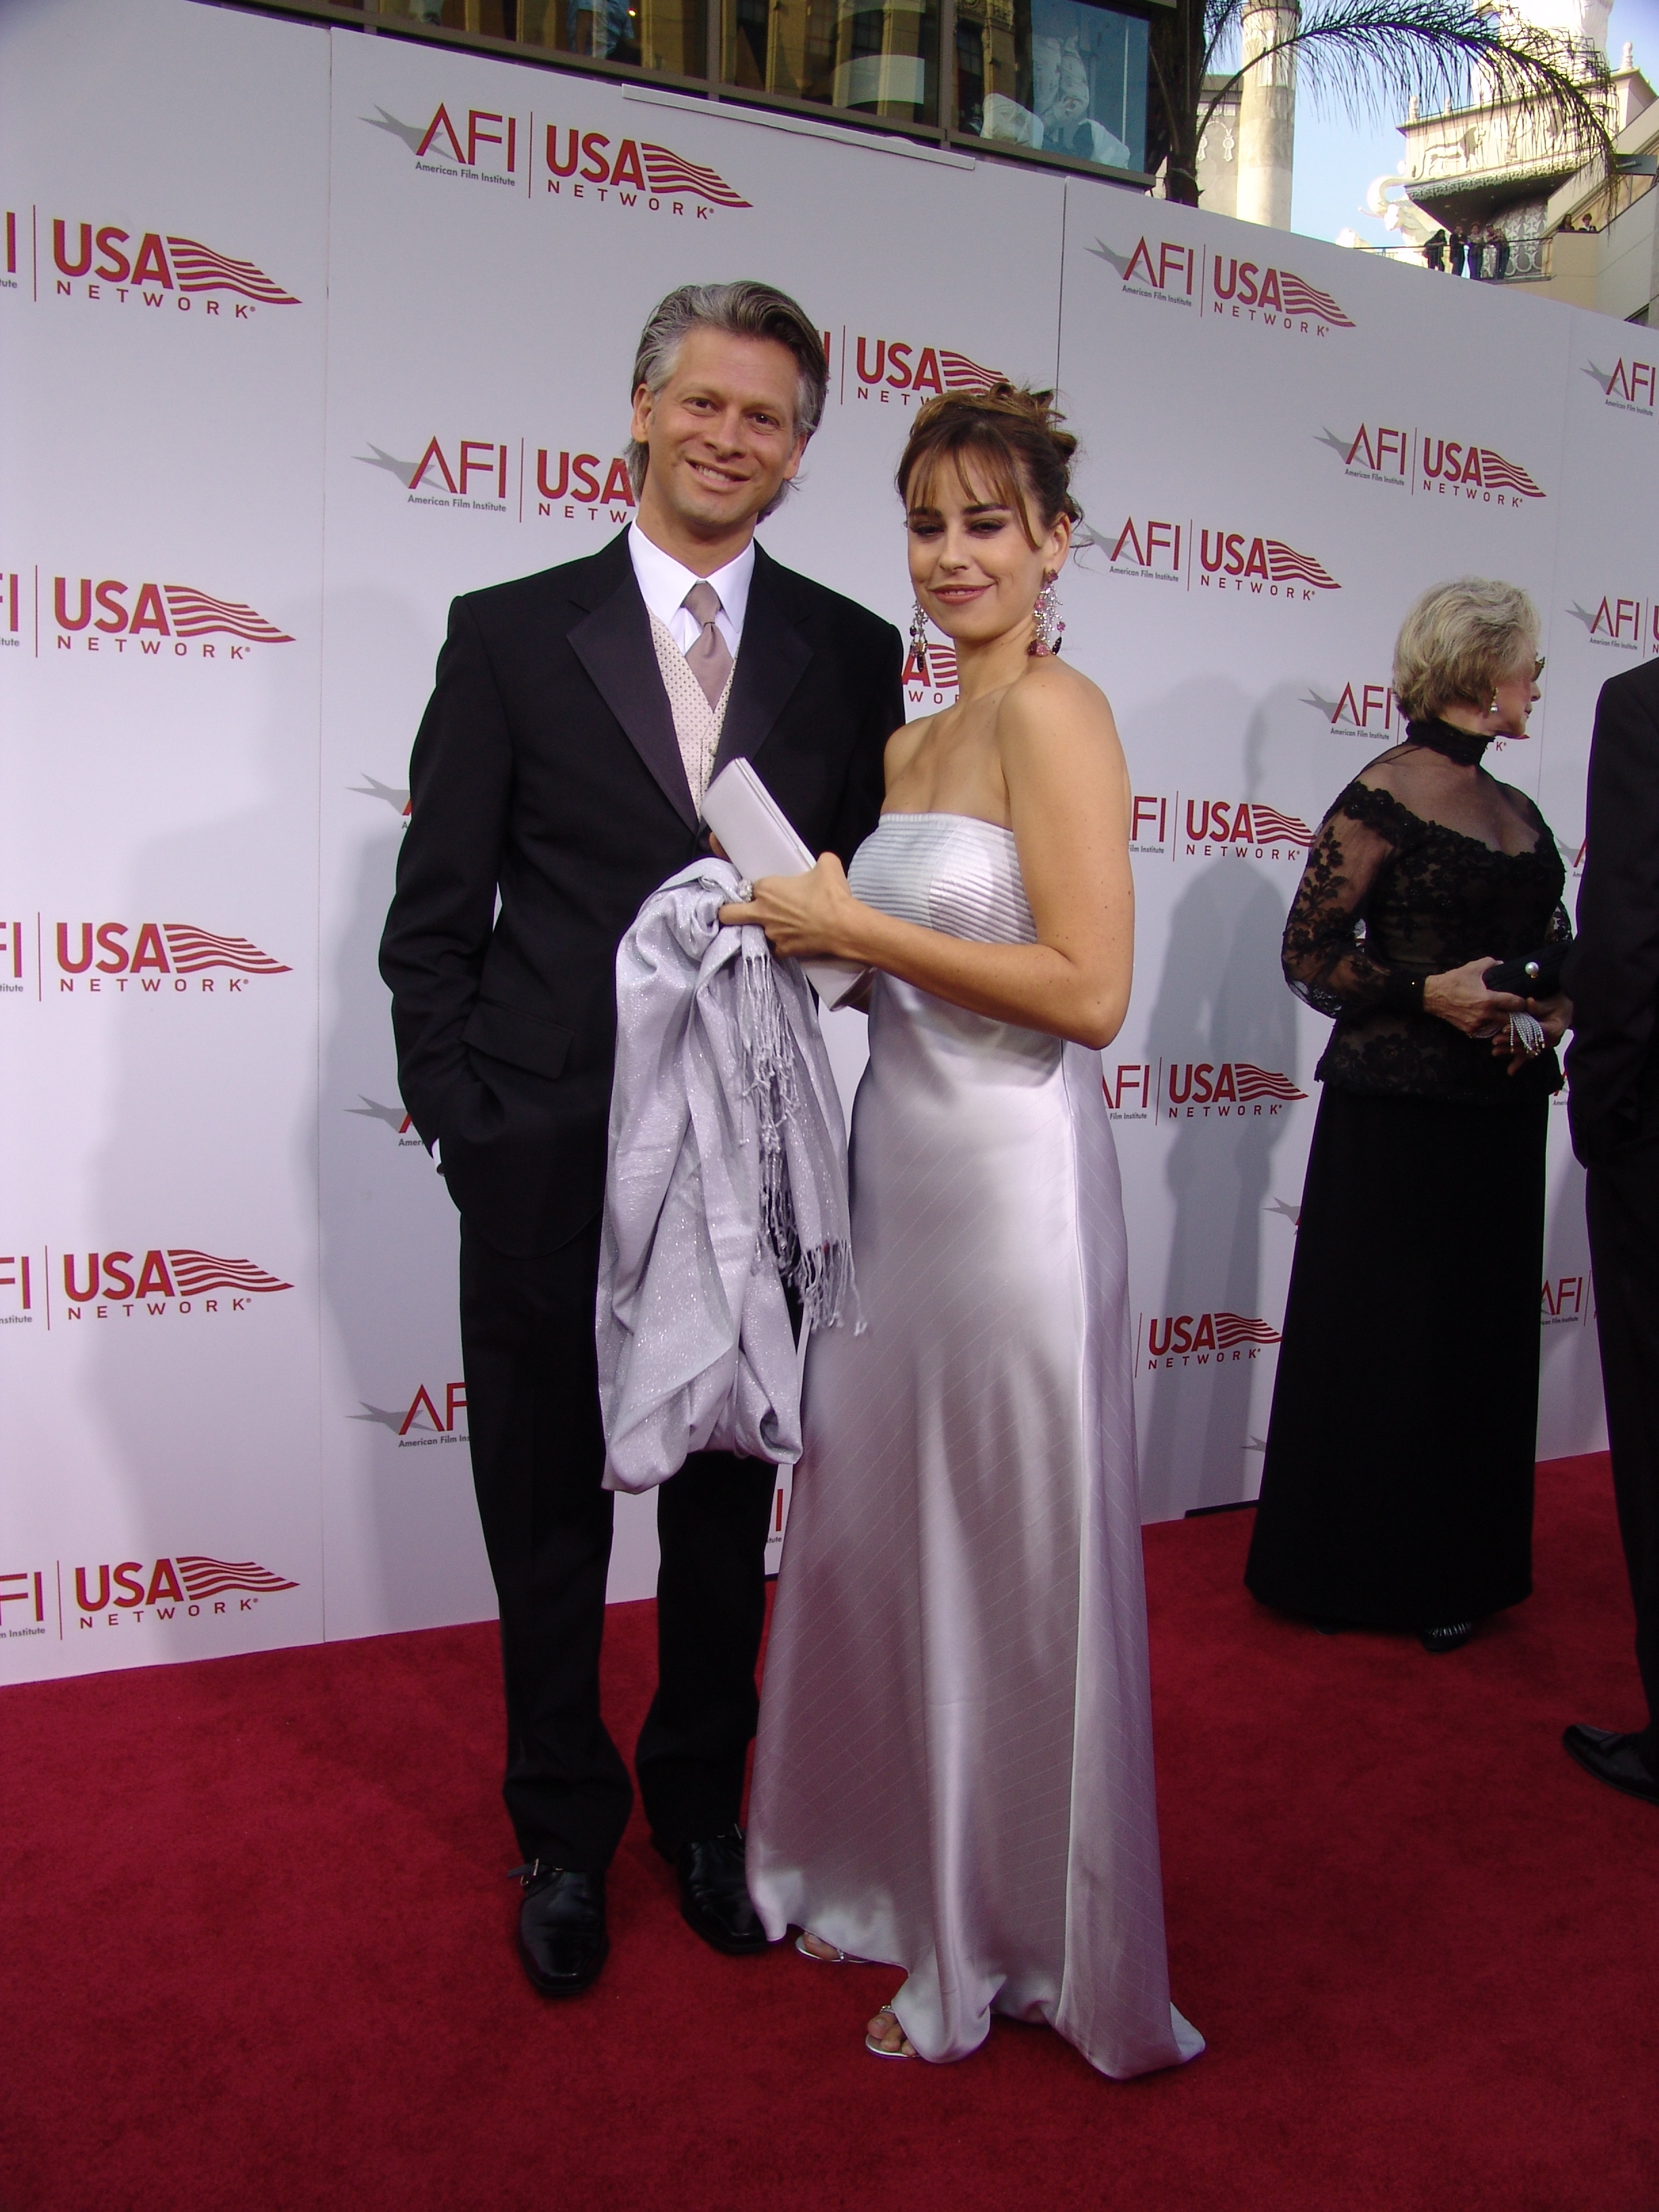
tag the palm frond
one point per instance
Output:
(1367, 58)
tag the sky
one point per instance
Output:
(1335, 161)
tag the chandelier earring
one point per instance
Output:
(1045, 613)
(919, 634)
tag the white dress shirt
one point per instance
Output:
(664, 582)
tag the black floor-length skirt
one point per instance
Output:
(1397, 1486)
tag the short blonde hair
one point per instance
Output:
(1459, 642)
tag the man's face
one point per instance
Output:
(721, 432)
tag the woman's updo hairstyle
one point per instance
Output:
(1016, 436)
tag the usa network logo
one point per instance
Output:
(1264, 296)
(1628, 385)
(1621, 621)
(113, 266)
(1216, 828)
(146, 959)
(901, 372)
(488, 146)
(930, 675)
(166, 1282)
(1199, 1091)
(153, 622)
(434, 1415)
(187, 1586)
(1206, 1339)
(1154, 549)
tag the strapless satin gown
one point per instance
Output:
(954, 1769)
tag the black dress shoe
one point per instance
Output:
(714, 1894)
(1613, 1759)
(1452, 1636)
(562, 1936)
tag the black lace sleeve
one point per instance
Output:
(1324, 957)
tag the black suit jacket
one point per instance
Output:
(1611, 972)
(547, 771)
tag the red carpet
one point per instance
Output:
(256, 1947)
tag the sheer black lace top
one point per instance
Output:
(1387, 898)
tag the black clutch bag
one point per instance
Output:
(1530, 975)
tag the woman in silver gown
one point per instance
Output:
(954, 1768)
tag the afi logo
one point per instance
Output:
(1231, 1088)
(1374, 452)
(1159, 269)
(470, 472)
(11, 628)
(109, 264)
(575, 480)
(11, 958)
(1277, 299)
(25, 1589)
(887, 366)
(396, 1118)
(929, 667)
(142, 954)
(1451, 468)
(434, 1415)
(1231, 561)
(1206, 1340)
(1363, 710)
(16, 1287)
(1145, 548)
(1629, 625)
(175, 1275)
(475, 141)
(1628, 385)
(181, 1588)
(88, 613)
(1566, 1301)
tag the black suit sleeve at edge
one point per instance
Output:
(443, 911)
(865, 784)
(1612, 973)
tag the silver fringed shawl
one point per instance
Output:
(726, 1178)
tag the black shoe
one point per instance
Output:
(714, 1894)
(1612, 1759)
(1447, 1638)
(562, 1936)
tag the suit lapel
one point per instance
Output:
(613, 643)
(772, 660)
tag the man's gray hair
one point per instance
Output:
(745, 310)
(1460, 641)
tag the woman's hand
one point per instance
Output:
(1460, 997)
(1553, 1016)
(813, 916)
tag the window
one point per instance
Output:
(1055, 78)
(1060, 76)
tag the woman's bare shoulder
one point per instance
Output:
(1051, 699)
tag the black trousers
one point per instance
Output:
(537, 1457)
(1622, 1207)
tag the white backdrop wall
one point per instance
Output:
(306, 331)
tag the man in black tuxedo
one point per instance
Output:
(560, 768)
(1611, 977)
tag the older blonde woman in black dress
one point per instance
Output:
(1397, 1486)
